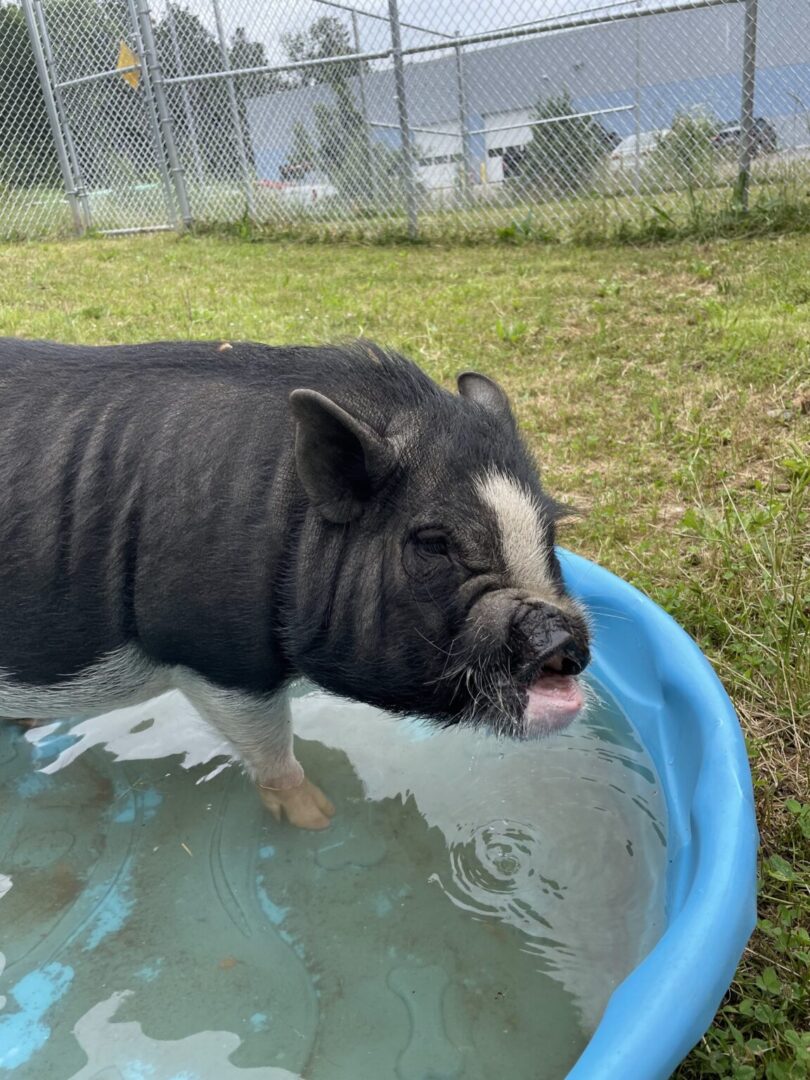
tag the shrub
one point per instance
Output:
(562, 156)
(685, 156)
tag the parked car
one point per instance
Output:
(610, 138)
(763, 137)
(624, 157)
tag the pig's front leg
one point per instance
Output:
(260, 730)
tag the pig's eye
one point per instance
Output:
(432, 542)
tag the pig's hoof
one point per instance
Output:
(304, 806)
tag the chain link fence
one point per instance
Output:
(402, 116)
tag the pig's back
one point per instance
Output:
(138, 491)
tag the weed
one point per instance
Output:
(511, 332)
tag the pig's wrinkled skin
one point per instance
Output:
(223, 521)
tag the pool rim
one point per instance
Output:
(665, 1005)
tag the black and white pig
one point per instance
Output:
(221, 519)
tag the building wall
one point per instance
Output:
(684, 60)
(438, 156)
(494, 140)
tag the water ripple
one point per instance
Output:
(498, 872)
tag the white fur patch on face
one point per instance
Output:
(521, 527)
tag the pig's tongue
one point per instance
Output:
(553, 702)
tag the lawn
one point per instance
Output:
(666, 391)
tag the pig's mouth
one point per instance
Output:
(526, 691)
(552, 702)
(553, 697)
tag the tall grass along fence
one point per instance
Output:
(403, 117)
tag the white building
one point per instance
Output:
(633, 75)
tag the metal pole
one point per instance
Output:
(382, 18)
(82, 195)
(53, 116)
(370, 162)
(637, 107)
(749, 73)
(97, 76)
(510, 127)
(575, 23)
(544, 121)
(466, 162)
(160, 153)
(452, 43)
(293, 65)
(234, 105)
(187, 109)
(153, 82)
(404, 129)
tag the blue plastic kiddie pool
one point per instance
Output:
(689, 727)
(471, 898)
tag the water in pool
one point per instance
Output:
(467, 914)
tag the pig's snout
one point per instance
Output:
(524, 654)
(550, 641)
(552, 647)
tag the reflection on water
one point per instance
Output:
(108, 1045)
(467, 915)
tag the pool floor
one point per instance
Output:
(467, 914)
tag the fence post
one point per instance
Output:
(235, 119)
(159, 112)
(61, 111)
(187, 109)
(637, 105)
(68, 177)
(461, 90)
(749, 76)
(404, 126)
(151, 109)
(361, 83)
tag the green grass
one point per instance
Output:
(611, 213)
(778, 204)
(666, 390)
(593, 220)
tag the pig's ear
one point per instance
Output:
(485, 392)
(341, 462)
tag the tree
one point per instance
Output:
(563, 155)
(27, 155)
(326, 37)
(244, 53)
(339, 142)
(85, 35)
(186, 47)
(108, 118)
(341, 145)
(303, 156)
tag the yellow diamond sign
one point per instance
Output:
(127, 59)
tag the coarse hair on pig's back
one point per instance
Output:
(374, 382)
